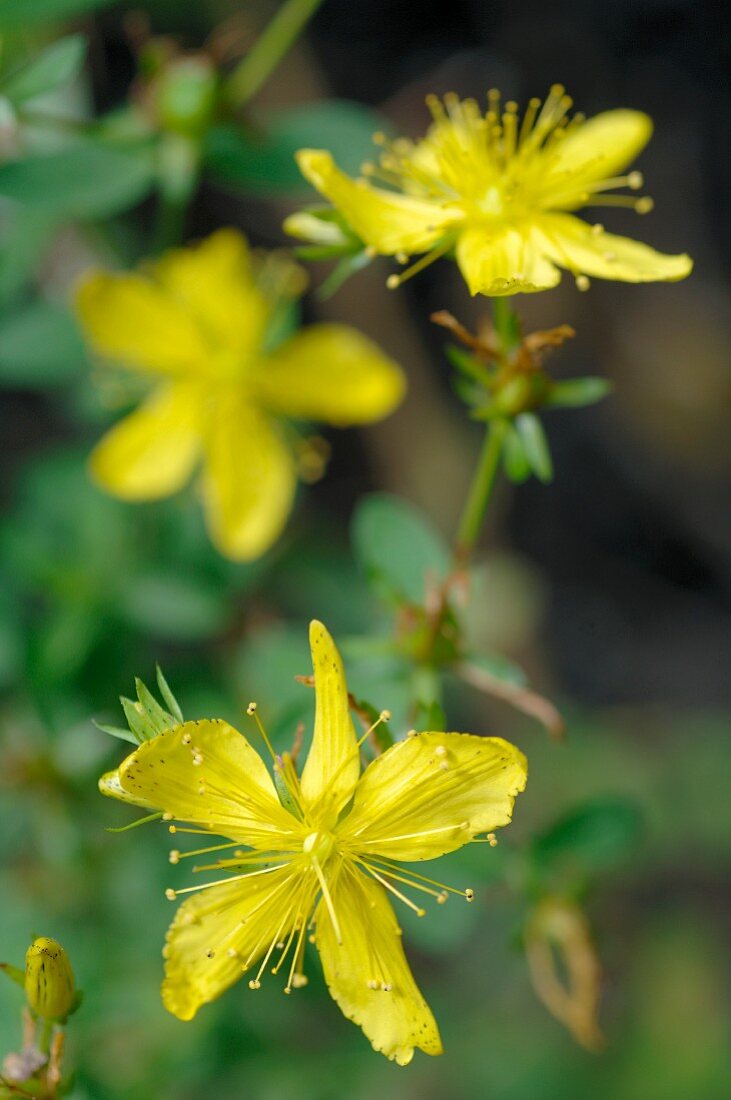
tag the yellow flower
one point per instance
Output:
(500, 192)
(325, 856)
(195, 325)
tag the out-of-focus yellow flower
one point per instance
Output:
(325, 853)
(499, 191)
(49, 980)
(195, 324)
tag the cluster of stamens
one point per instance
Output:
(494, 164)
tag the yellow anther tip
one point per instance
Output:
(170, 894)
(174, 856)
(254, 984)
(251, 708)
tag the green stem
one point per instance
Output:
(480, 491)
(44, 1039)
(269, 49)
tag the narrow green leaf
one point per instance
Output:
(135, 720)
(157, 718)
(116, 731)
(56, 65)
(515, 461)
(535, 445)
(578, 392)
(170, 701)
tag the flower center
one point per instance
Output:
(492, 203)
(319, 846)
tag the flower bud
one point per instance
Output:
(185, 94)
(49, 980)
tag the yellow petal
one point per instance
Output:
(332, 767)
(130, 319)
(396, 1019)
(110, 785)
(582, 249)
(595, 150)
(213, 283)
(208, 774)
(503, 262)
(248, 480)
(220, 933)
(151, 453)
(432, 793)
(385, 220)
(331, 373)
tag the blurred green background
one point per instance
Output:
(611, 587)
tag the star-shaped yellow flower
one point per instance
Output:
(195, 324)
(499, 191)
(320, 859)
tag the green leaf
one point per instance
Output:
(578, 392)
(515, 461)
(56, 65)
(535, 445)
(116, 731)
(266, 161)
(590, 839)
(398, 548)
(15, 14)
(85, 181)
(40, 346)
(169, 699)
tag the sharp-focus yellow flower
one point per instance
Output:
(195, 324)
(500, 192)
(322, 859)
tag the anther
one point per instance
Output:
(174, 856)
(401, 258)
(254, 984)
(250, 710)
(186, 738)
(172, 829)
(492, 840)
(582, 282)
(635, 180)
(644, 205)
(232, 952)
(441, 898)
(299, 981)
(440, 750)
(210, 954)
(170, 894)
(386, 987)
(167, 816)
(372, 984)
(392, 282)
(469, 894)
(385, 716)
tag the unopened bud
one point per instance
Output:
(49, 980)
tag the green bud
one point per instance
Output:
(185, 94)
(49, 980)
